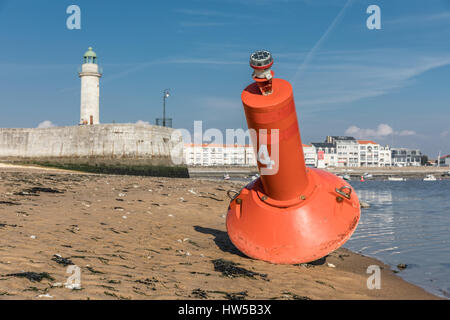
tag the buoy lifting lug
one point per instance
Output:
(232, 197)
(344, 194)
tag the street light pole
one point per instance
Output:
(166, 95)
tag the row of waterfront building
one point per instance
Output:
(336, 151)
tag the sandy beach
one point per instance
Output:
(152, 238)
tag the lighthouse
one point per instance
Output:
(90, 89)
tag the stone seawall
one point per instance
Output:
(107, 148)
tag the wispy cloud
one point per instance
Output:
(339, 78)
(203, 24)
(40, 66)
(423, 18)
(316, 47)
(141, 67)
(175, 60)
(198, 12)
(205, 61)
(213, 13)
(211, 18)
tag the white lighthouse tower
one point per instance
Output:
(90, 89)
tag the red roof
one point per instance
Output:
(366, 142)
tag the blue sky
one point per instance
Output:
(389, 85)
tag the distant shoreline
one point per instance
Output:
(383, 172)
(233, 171)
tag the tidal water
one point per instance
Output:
(408, 222)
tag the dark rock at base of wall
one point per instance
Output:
(121, 166)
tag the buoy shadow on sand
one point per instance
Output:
(221, 240)
(224, 243)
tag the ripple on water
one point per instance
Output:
(407, 222)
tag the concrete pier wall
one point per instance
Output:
(92, 144)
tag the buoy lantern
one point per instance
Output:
(290, 214)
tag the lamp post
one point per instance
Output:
(166, 95)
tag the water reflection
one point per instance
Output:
(408, 222)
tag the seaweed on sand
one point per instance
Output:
(231, 269)
(60, 260)
(32, 276)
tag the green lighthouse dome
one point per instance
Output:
(90, 56)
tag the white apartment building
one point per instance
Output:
(219, 155)
(310, 153)
(335, 152)
(342, 151)
(372, 154)
(385, 156)
(347, 149)
(444, 161)
(326, 154)
(404, 157)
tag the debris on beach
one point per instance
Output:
(3, 225)
(73, 228)
(60, 260)
(199, 293)
(92, 270)
(148, 282)
(231, 269)
(314, 263)
(32, 276)
(195, 244)
(57, 285)
(35, 191)
(364, 205)
(9, 203)
(402, 266)
(231, 295)
(212, 197)
(237, 295)
(293, 296)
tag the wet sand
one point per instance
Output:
(151, 238)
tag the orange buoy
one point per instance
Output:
(291, 214)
